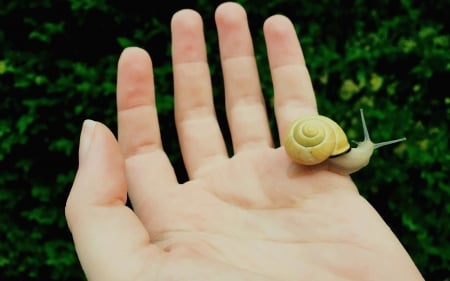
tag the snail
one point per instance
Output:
(316, 139)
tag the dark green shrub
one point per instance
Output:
(58, 66)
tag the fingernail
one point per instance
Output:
(87, 133)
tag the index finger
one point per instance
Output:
(147, 166)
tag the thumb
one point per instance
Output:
(109, 238)
(100, 179)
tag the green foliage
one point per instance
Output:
(58, 66)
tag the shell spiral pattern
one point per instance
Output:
(312, 140)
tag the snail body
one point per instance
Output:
(316, 139)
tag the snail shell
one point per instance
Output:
(312, 140)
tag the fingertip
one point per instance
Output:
(234, 34)
(131, 55)
(134, 78)
(230, 13)
(278, 25)
(134, 63)
(283, 46)
(188, 42)
(186, 18)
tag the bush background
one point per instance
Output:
(58, 66)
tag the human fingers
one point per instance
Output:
(110, 240)
(294, 94)
(147, 166)
(201, 140)
(246, 111)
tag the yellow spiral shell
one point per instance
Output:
(312, 140)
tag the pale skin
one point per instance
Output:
(251, 216)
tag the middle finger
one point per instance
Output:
(246, 110)
(201, 140)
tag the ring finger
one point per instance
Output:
(294, 94)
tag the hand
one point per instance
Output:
(254, 216)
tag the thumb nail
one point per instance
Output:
(87, 133)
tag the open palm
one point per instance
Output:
(254, 216)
